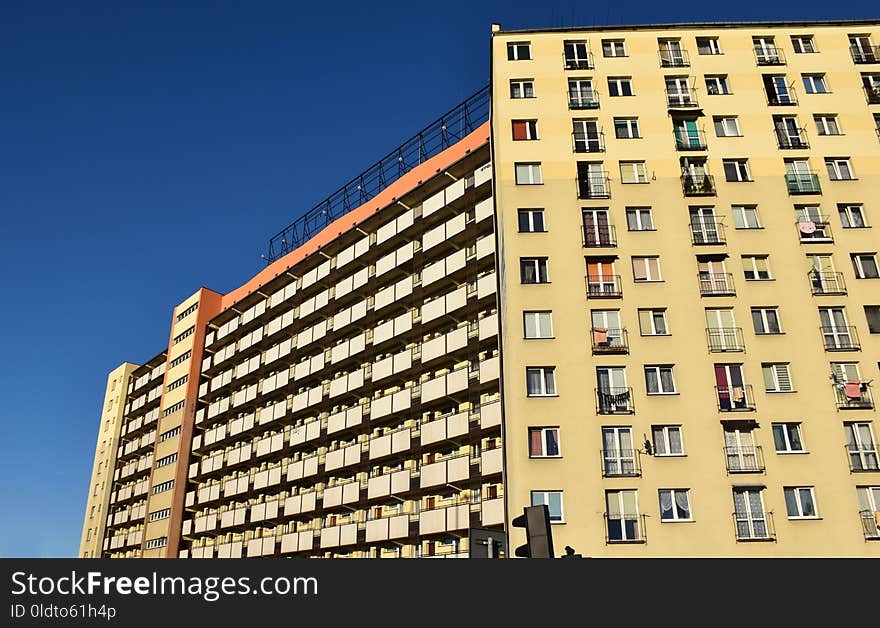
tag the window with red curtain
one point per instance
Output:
(520, 130)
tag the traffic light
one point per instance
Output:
(539, 537)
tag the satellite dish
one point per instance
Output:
(807, 226)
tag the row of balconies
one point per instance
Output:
(154, 373)
(143, 463)
(136, 445)
(130, 491)
(141, 421)
(133, 512)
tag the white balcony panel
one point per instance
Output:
(488, 326)
(332, 496)
(400, 481)
(490, 414)
(433, 203)
(377, 530)
(378, 486)
(489, 370)
(491, 461)
(458, 517)
(486, 285)
(380, 446)
(431, 521)
(458, 468)
(482, 175)
(380, 407)
(401, 400)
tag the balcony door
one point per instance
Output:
(722, 329)
(591, 180)
(739, 447)
(617, 451)
(577, 54)
(788, 131)
(671, 52)
(687, 134)
(597, 230)
(778, 91)
(835, 329)
(678, 89)
(713, 276)
(622, 510)
(609, 321)
(613, 392)
(765, 49)
(811, 223)
(751, 522)
(731, 386)
(861, 447)
(586, 136)
(703, 225)
(580, 91)
(601, 278)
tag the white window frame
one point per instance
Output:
(638, 171)
(632, 128)
(515, 48)
(531, 129)
(765, 321)
(650, 267)
(814, 84)
(798, 44)
(858, 267)
(617, 47)
(719, 83)
(827, 124)
(741, 168)
(543, 453)
(531, 212)
(542, 321)
(531, 172)
(619, 82)
(773, 369)
(667, 442)
(741, 215)
(522, 86)
(651, 317)
(753, 260)
(835, 167)
(638, 213)
(544, 372)
(796, 492)
(673, 492)
(846, 209)
(658, 369)
(624, 516)
(714, 47)
(541, 267)
(750, 517)
(786, 428)
(544, 498)
(724, 122)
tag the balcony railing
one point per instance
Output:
(690, 140)
(704, 231)
(622, 528)
(814, 230)
(751, 527)
(598, 236)
(594, 186)
(604, 287)
(871, 54)
(793, 139)
(744, 459)
(610, 340)
(872, 94)
(584, 144)
(673, 58)
(853, 396)
(578, 63)
(870, 524)
(862, 459)
(735, 398)
(583, 101)
(725, 339)
(805, 183)
(716, 284)
(782, 99)
(827, 283)
(698, 184)
(770, 55)
(614, 400)
(621, 463)
(840, 338)
(682, 98)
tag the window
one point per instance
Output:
(613, 48)
(861, 447)
(525, 129)
(164, 486)
(519, 51)
(659, 380)
(581, 94)
(538, 324)
(717, 84)
(154, 543)
(633, 172)
(172, 409)
(872, 314)
(178, 382)
(544, 442)
(803, 44)
(183, 357)
(577, 55)
(620, 86)
(639, 219)
(192, 308)
(708, 46)
(553, 501)
(160, 514)
(826, 124)
(541, 381)
(169, 434)
(533, 270)
(865, 265)
(618, 453)
(522, 88)
(851, 216)
(186, 334)
(727, 126)
(787, 438)
(766, 320)
(652, 322)
(646, 269)
(162, 462)
(675, 504)
(751, 522)
(766, 51)
(667, 440)
(528, 174)
(777, 378)
(745, 217)
(839, 168)
(736, 170)
(815, 84)
(756, 267)
(531, 220)
(622, 513)
(800, 503)
(626, 128)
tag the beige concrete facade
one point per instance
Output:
(101, 482)
(730, 481)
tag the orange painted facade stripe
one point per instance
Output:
(404, 184)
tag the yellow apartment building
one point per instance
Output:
(634, 278)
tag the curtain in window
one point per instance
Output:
(666, 380)
(666, 505)
(535, 443)
(534, 381)
(552, 443)
(683, 505)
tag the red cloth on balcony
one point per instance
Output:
(600, 335)
(853, 389)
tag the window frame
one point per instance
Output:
(722, 121)
(537, 324)
(531, 212)
(672, 495)
(652, 314)
(822, 127)
(543, 371)
(755, 269)
(533, 167)
(785, 432)
(810, 80)
(614, 43)
(797, 42)
(638, 168)
(620, 82)
(541, 270)
(718, 82)
(771, 368)
(796, 491)
(664, 431)
(845, 209)
(714, 48)
(740, 167)
(833, 166)
(514, 48)
(658, 370)
(765, 321)
(530, 126)
(545, 497)
(632, 128)
(521, 85)
(858, 265)
(651, 262)
(543, 431)
(638, 213)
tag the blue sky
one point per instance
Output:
(147, 149)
